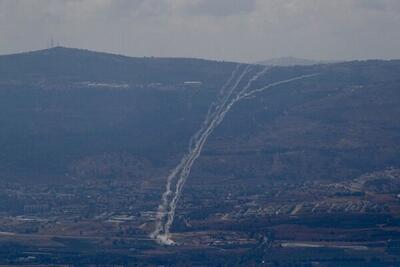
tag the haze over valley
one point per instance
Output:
(199, 133)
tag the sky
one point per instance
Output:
(235, 30)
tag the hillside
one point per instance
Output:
(68, 65)
(75, 114)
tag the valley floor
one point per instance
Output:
(261, 224)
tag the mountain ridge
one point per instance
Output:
(57, 123)
(292, 61)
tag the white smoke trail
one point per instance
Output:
(211, 110)
(163, 207)
(215, 106)
(216, 120)
(183, 169)
(214, 117)
(255, 91)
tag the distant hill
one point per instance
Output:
(290, 61)
(67, 64)
(75, 114)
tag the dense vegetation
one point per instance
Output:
(56, 125)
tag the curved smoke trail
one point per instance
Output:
(215, 115)
(216, 105)
(182, 170)
(215, 121)
(163, 207)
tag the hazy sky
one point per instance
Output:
(243, 30)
